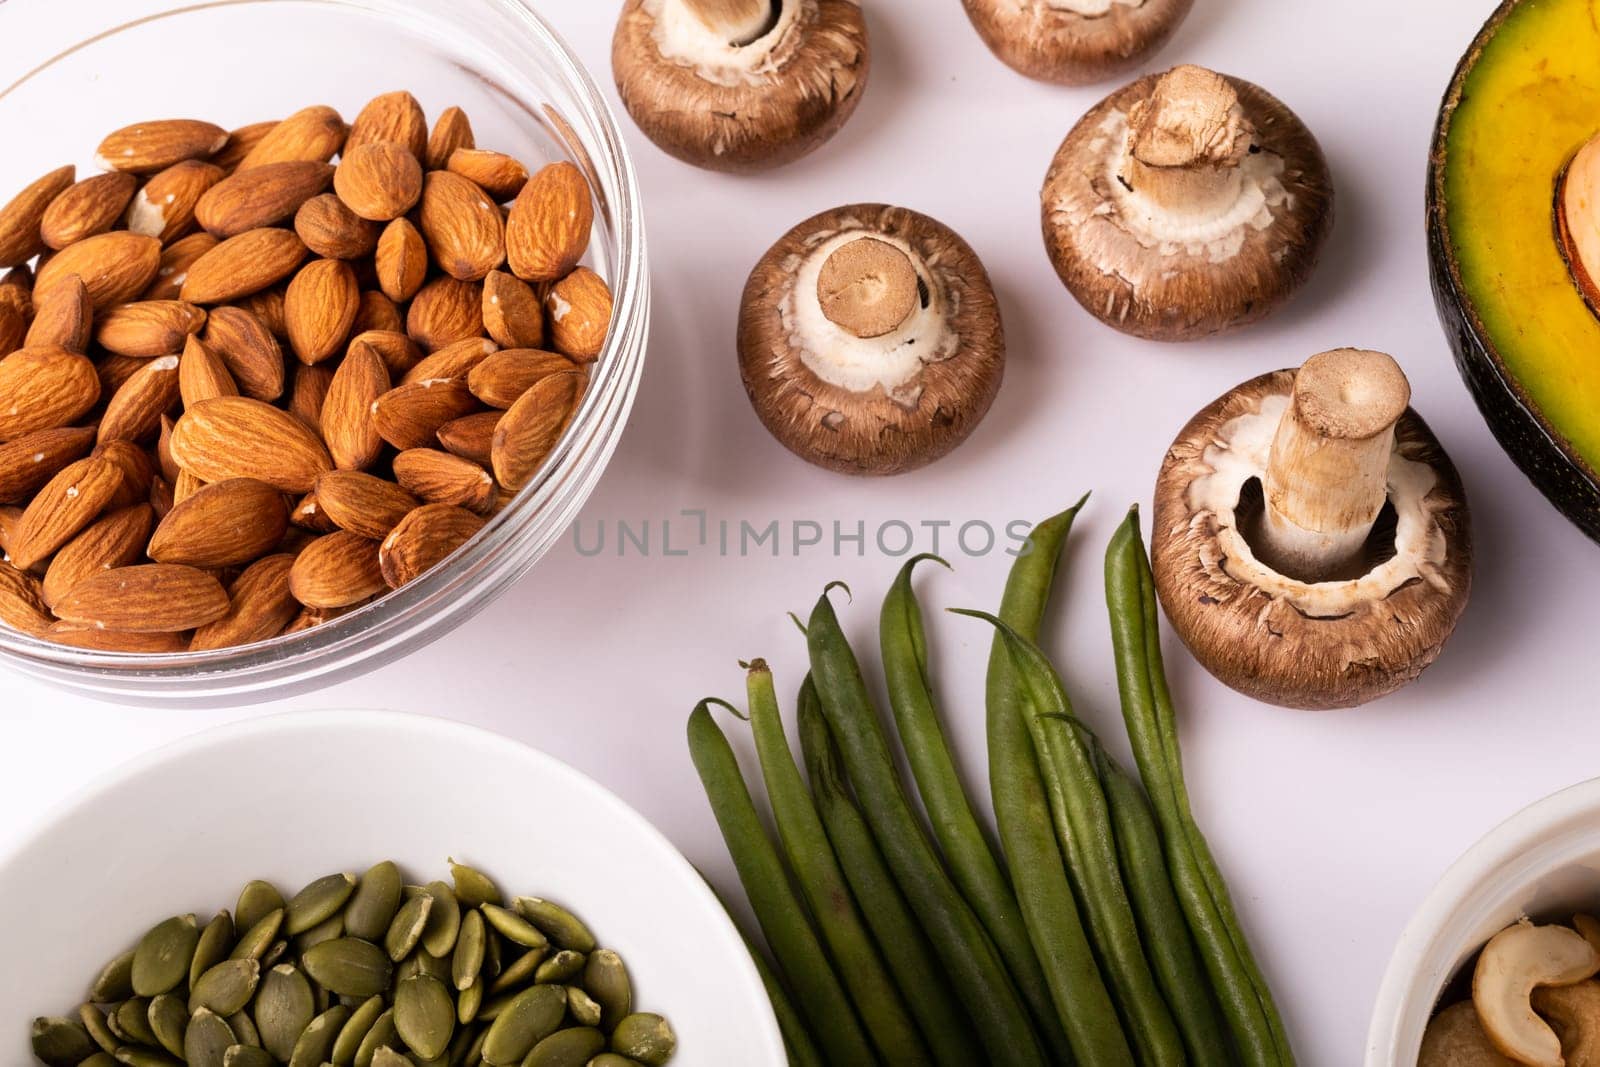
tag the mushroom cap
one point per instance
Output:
(1455, 1038)
(1298, 644)
(798, 97)
(874, 430)
(1075, 43)
(1166, 290)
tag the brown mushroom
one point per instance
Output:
(1075, 42)
(1311, 541)
(740, 85)
(1186, 204)
(870, 340)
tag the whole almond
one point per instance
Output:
(310, 393)
(445, 311)
(249, 351)
(13, 324)
(42, 388)
(452, 130)
(260, 605)
(176, 259)
(409, 415)
(134, 411)
(393, 117)
(22, 604)
(242, 265)
(148, 327)
(241, 142)
(147, 147)
(234, 437)
(115, 267)
(336, 570)
(9, 518)
(314, 134)
(70, 501)
(308, 515)
(320, 307)
(440, 478)
(494, 172)
(363, 503)
(165, 207)
(202, 375)
(224, 524)
(311, 618)
(261, 196)
(527, 432)
(112, 371)
(452, 361)
(63, 317)
(423, 539)
(471, 436)
(547, 231)
(138, 469)
(512, 311)
(33, 459)
(349, 424)
(398, 352)
(161, 497)
(169, 466)
(465, 233)
(378, 312)
(267, 305)
(401, 261)
(78, 635)
(580, 314)
(332, 230)
(115, 540)
(379, 180)
(21, 216)
(502, 378)
(151, 598)
(91, 206)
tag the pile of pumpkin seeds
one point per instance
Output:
(369, 972)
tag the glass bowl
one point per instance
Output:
(67, 80)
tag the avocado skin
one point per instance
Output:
(1533, 445)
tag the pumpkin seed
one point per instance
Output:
(605, 978)
(349, 967)
(388, 1057)
(461, 1045)
(115, 982)
(99, 1059)
(207, 1040)
(468, 1003)
(259, 937)
(226, 988)
(244, 1029)
(61, 1042)
(424, 1015)
(247, 1056)
(355, 1030)
(406, 929)
(327, 930)
(144, 1057)
(562, 967)
(646, 1037)
(521, 971)
(467, 960)
(373, 905)
(212, 948)
(612, 1059)
(284, 1008)
(274, 955)
(257, 900)
(132, 1022)
(161, 962)
(317, 902)
(491, 955)
(315, 1046)
(423, 962)
(584, 1008)
(556, 923)
(514, 927)
(444, 920)
(493, 1006)
(532, 1015)
(573, 1047)
(168, 1019)
(94, 1021)
(381, 1034)
(473, 887)
(475, 1050)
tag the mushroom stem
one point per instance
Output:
(868, 288)
(1328, 473)
(1185, 143)
(739, 22)
(1578, 219)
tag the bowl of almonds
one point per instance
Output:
(298, 375)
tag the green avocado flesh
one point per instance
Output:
(1530, 100)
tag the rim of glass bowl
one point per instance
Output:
(509, 544)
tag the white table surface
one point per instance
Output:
(1330, 827)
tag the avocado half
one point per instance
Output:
(1524, 99)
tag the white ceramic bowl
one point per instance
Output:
(293, 797)
(1544, 862)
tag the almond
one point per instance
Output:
(42, 388)
(452, 130)
(320, 307)
(161, 497)
(349, 423)
(137, 466)
(176, 259)
(20, 218)
(494, 172)
(249, 351)
(336, 571)
(530, 429)
(548, 229)
(93, 637)
(471, 436)
(465, 233)
(22, 604)
(151, 598)
(445, 311)
(147, 147)
(501, 379)
(116, 540)
(148, 327)
(70, 501)
(241, 142)
(260, 605)
(134, 411)
(115, 267)
(33, 459)
(314, 134)
(63, 317)
(310, 619)
(423, 539)
(580, 314)
(310, 392)
(91, 206)
(401, 260)
(393, 117)
(165, 207)
(409, 415)
(398, 352)
(378, 312)
(267, 306)
(512, 311)
(169, 466)
(440, 478)
(363, 503)
(261, 196)
(332, 230)
(112, 371)
(242, 265)
(234, 436)
(9, 517)
(13, 324)
(202, 375)
(224, 524)
(380, 180)
(308, 515)
(452, 361)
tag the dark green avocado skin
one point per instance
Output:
(1533, 445)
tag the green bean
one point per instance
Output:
(797, 1040)
(904, 945)
(1246, 1001)
(971, 958)
(817, 870)
(766, 881)
(967, 851)
(1022, 812)
(1166, 935)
